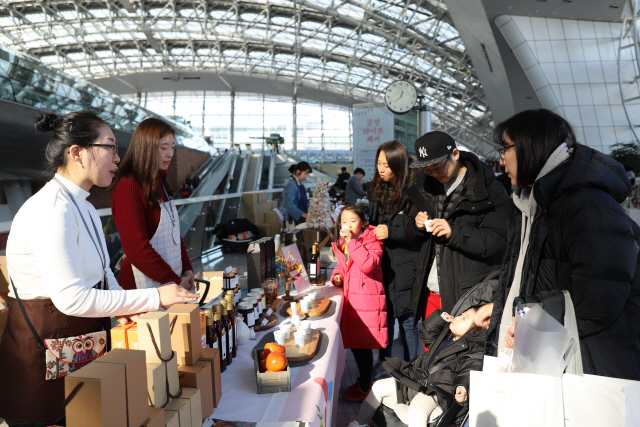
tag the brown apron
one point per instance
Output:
(25, 395)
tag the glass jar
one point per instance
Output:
(246, 310)
(254, 303)
(259, 292)
(227, 282)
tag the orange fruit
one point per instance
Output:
(263, 365)
(264, 354)
(275, 348)
(276, 362)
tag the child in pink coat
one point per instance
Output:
(364, 317)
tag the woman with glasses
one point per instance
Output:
(570, 233)
(460, 216)
(61, 285)
(145, 216)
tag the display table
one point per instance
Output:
(313, 384)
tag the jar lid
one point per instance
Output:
(257, 291)
(228, 275)
(245, 306)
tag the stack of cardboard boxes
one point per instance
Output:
(260, 212)
(171, 371)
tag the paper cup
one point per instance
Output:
(279, 336)
(305, 325)
(304, 305)
(286, 329)
(295, 320)
(300, 338)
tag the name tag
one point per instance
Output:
(269, 312)
(264, 322)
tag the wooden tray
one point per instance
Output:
(307, 351)
(277, 303)
(320, 307)
(273, 320)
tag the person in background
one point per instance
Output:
(570, 234)
(59, 271)
(334, 192)
(364, 316)
(188, 181)
(195, 181)
(388, 208)
(354, 190)
(146, 217)
(466, 238)
(184, 190)
(294, 195)
(343, 178)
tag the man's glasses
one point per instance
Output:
(437, 171)
(114, 148)
(503, 150)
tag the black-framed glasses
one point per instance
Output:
(114, 147)
(437, 171)
(503, 150)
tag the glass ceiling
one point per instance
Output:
(348, 47)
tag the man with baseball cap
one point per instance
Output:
(460, 214)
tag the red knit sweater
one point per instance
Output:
(137, 222)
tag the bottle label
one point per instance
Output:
(203, 341)
(312, 269)
(231, 339)
(224, 346)
(215, 344)
(251, 319)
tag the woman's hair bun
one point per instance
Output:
(292, 168)
(47, 122)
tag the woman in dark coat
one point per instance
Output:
(569, 233)
(388, 208)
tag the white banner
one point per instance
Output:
(372, 127)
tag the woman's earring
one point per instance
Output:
(77, 161)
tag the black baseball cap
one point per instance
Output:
(432, 148)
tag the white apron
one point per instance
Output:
(166, 242)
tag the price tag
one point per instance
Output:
(264, 322)
(269, 312)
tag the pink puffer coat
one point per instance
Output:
(364, 316)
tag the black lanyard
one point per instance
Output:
(173, 218)
(103, 256)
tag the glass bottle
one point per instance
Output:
(231, 312)
(314, 263)
(224, 318)
(222, 337)
(212, 336)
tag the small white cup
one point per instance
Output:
(305, 326)
(295, 320)
(304, 305)
(312, 296)
(279, 337)
(287, 330)
(300, 338)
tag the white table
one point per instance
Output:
(313, 384)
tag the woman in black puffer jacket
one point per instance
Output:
(569, 233)
(388, 208)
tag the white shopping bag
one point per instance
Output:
(592, 400)
(512, 399)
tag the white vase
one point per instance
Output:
(242, 330)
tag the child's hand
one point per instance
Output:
(446, 316)
(461, 394)
(346, 234)
(337, 280)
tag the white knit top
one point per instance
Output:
(50, 255)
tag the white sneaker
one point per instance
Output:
(355, 423)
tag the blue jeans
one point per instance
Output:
(408, 337)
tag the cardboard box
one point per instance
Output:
(182, 407)
(256, 263)
(159, 323)
(173, 376)
(203, 329)
(100, 400)
(171, 419)
(199, 376)
(4, 277)
(136, 379)
(215, 287)
(270, 217)
(132, 337)
(250, 198)
(192, 395)
(157, 384)
(212, 356)
(156, 418)
(119, 336)
(255, 218)
(186, 340)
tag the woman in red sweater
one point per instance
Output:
(146, 218)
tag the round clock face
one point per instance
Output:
(400, 96)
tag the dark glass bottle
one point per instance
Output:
(231, 313)
(222, 337)
(212, 336)
(224, 318)
(314, 264)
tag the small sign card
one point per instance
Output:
(301, 280)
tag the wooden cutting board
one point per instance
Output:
(307, 351)
(320, 307)
(275, 304)
(271, 322)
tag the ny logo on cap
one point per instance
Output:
(422, 151)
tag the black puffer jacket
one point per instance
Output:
(399, 256)
(443, 383)
(582, 241)
(478, 220)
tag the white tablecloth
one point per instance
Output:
(313, 384)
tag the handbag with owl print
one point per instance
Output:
(66, 355)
